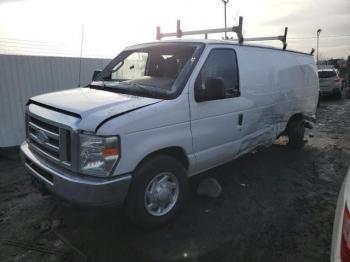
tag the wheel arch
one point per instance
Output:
(293, 118)
(297, 116)
(176, 152)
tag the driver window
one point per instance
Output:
(220, 63)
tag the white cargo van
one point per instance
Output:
(160, 113)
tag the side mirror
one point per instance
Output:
(96, 74)
(212, 89)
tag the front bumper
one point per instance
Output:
(330, 91)
(75, 188)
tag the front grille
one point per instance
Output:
(49, 140)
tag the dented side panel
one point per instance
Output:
(274, 85)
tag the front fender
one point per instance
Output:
(136, 146)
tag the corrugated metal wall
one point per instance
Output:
(22, 77)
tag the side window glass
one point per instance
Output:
(132, 67)
(220, 63)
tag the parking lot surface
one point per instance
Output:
(277, 204)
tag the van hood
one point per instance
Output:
(91, 105)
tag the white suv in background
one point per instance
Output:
(330, 82)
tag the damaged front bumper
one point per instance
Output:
(75, 188)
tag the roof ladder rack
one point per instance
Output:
(236, 29)
(282, 38)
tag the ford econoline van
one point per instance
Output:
(160, 113)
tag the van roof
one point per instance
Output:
(222, 42)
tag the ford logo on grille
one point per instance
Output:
(41, 136)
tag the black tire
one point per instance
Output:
(296, 132)
(135, 205)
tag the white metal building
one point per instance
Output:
(22, 77)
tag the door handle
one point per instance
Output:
(240, 119)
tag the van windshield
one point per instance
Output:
(157, 70)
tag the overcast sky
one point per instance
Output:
(53, 27)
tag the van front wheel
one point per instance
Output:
(157, 192)
(296, 132)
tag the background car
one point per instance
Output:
(330, 82)
(341, 227)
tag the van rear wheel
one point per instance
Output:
(296, 131)
(157, 192)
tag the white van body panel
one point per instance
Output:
(274, 86)
(216, 133)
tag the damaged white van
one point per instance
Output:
(160, 113)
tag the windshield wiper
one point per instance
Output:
(132, 89)
(96, 86)
(108, 88)
(145, 89)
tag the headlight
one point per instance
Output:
(98, 154)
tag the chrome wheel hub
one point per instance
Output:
(161, 194)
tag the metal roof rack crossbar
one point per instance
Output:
(236, 29)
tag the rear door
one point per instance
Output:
(216, 124)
